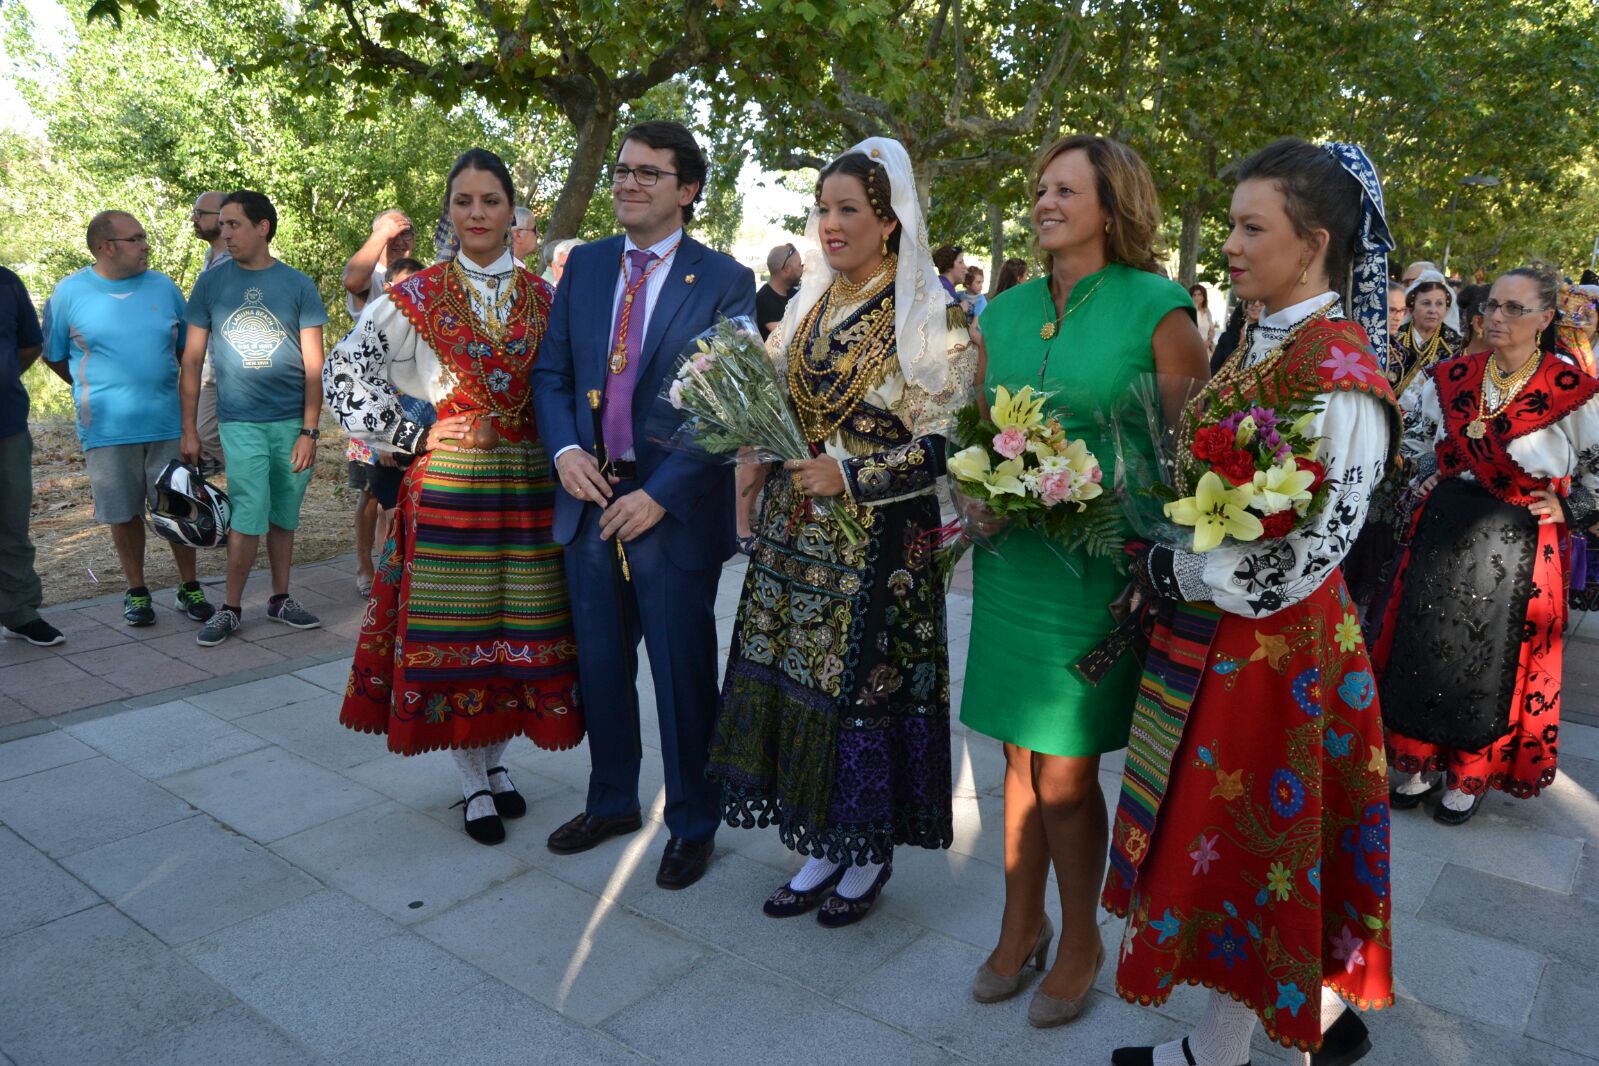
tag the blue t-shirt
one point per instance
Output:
(19, 328)
(255, 318)
(120, 340)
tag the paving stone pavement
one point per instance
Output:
(199, 865)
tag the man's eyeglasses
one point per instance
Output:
(645, 176)
(792, 252)
(197, 213)
(139, 238)
(1512, 309)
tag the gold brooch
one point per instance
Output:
(688, 279)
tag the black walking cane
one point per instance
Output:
(620, 571)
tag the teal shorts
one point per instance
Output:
(262, 484)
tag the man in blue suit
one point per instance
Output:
(626, 308)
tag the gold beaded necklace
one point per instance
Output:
(490, 325)
(826, 392)
(1508, 385)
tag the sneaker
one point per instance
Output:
(39, 633)
(290, 613)
(192, 602)
(219, 627)
(138, 609)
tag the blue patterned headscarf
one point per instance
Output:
(1368, 289)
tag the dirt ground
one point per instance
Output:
(75, 557)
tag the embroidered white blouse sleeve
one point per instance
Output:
(364, 373)
(1263, 577)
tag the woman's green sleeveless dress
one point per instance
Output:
(1032, 617)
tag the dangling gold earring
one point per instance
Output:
(1107, 225)
(1304, 276)
(885, 246)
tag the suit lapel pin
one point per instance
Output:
(688, 279)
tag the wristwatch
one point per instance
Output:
(312, 433)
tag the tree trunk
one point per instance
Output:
(1193, 216)
(996, 243)
(595, 125)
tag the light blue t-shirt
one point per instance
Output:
(255, 318)
(120, 339)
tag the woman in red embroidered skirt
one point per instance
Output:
(467, 640)
(1250, 848)
(1470, 653)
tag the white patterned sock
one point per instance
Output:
(1414, 785)
(1332, 1008)
(1457, 800)
(493, 755)
(473, 769)
(1220, 1039)
(813, 873)
(857, 881)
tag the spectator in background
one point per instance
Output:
(267, 319)
(950, 263)
(376, 475)
(1011, 274)
(784, 267)
(111, 329)
(1207, 325)
(1417, 269)
(1473, 332)
(1397, 309)
(21, 592)
(558, 253)
(1244, 316)
(972, 290)
(524, 238)
(207, 210)
(392, 238)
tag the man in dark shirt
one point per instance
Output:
(20, 590)
(785, 268)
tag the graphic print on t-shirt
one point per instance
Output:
(254, 331)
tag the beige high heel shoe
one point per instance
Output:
(991, 986)
(1046, 1012)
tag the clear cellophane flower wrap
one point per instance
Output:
(723, 402)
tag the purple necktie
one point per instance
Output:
(617, 418)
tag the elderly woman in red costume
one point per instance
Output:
(1508, 444)
(467, 641)
(1250, 849)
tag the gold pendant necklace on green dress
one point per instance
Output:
(1053, 327)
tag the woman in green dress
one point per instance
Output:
(1097, 319)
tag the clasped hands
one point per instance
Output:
(625, 517)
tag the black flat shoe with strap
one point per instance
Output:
(1449, 816)
(1145, 1056)
(487, 830)
(789, 901)
(838, 911)
(508, 804)
(1346, 1041)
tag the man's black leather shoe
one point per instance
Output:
(587, 830)
(684, 862)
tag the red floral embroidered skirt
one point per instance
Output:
(1250, 849)
(467, 640)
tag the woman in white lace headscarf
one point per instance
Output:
(835, 718)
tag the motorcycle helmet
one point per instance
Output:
(188, 510)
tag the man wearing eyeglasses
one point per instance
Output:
(784, 268)
(113, 330)
(206, 218)
(626, 308)
(525, 238)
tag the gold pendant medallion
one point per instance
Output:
(1475, 429)
(1048, 332)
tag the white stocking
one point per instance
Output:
(1457, 800)
(813, 873)
(1332, 1008)
(1220, 1039)
(857, 881)
(492, 756)
(1414, 785)
(473, 769)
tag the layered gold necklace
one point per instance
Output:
(826, 392)
(464, 299)
(1507, 385)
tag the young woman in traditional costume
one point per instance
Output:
(1508, 445)
(835, 716)
(467, 640)
(1250, 847)
(1431, 335)
(1085, 331)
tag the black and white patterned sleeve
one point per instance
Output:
(1266, 576)
(1581, 504)
(356, 380)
